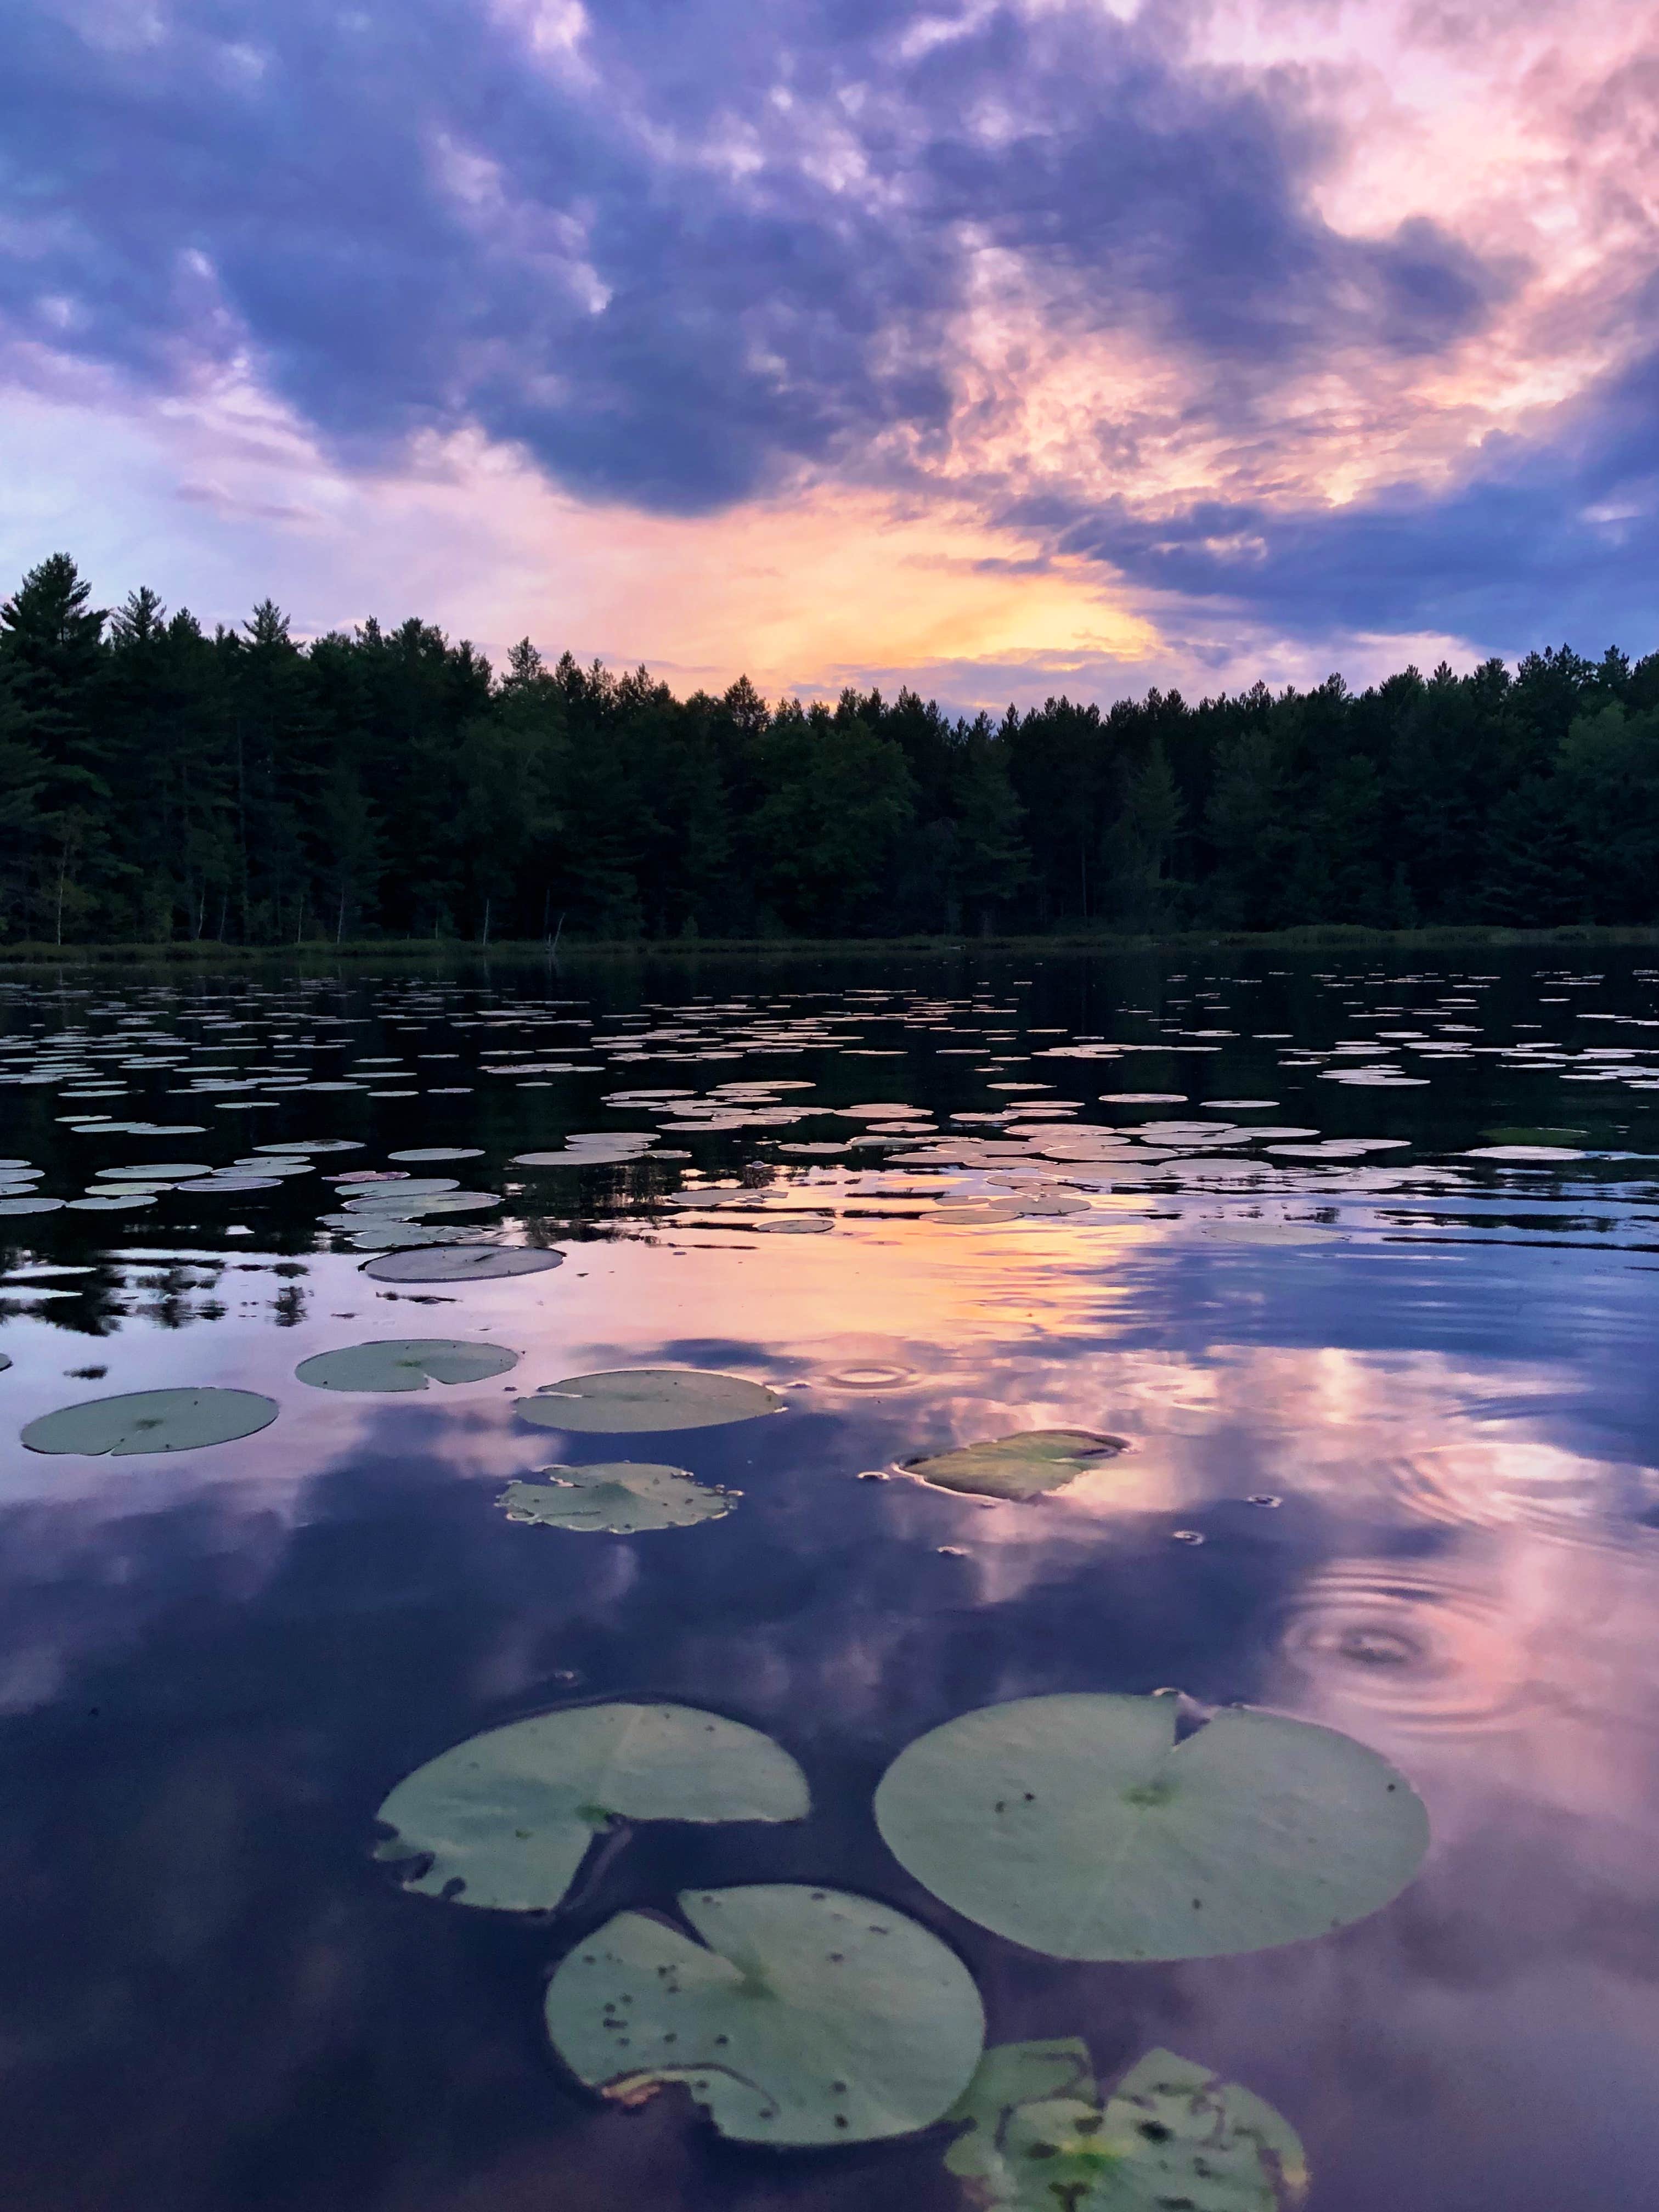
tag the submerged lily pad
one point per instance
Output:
(1022, 1466)
(636, 1400)
(802, 2015)
(1079, 1827)
(621, 1498)
(404, 1363)
(152, 1421)
(505, 1820)
(461, 1263)
(1171, 2133)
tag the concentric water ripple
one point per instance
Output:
(1423, 1646)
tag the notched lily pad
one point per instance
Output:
(802, 2016)
(461, 1263)
(1022, 1465)
(404, 1363)
(638, 1401)
(1079, 1827)
(621, 1498)
(505, 1820)
(1171, 2133)
(151, 1421)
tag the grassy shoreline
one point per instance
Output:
(1310, 936)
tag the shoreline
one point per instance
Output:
(1309, 937)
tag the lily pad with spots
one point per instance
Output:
(793, 2015)
(404, 1363)
(151, 1421)
(620, 1498)
(1171, 2133)
(640, 1400)
(504, 1820)
(1026, 1465)
(1081, 1828)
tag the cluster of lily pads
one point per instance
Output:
(1092, 1827)
(1026, 1154)
(620, 1498)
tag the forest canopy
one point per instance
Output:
(159, 782)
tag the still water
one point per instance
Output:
(1356, 1262)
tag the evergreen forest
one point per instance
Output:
(161, 783)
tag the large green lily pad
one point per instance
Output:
(151, 1421)
(1038, 2137)
(802, 2016)
(1022, 1466)
(404, 1363)
(461, 1263)
(622, 1497)
(638, 1401)
(505, 1820)
(1079, 1827)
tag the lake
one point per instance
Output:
(1330, 1282)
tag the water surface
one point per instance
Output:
(1392, 1467)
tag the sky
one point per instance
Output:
(1001, 349)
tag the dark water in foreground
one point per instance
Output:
(213, 1666)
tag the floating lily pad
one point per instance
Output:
(30, 1205)
(233, 1183)
(803, 2016)
(1022, 1466)
(965, 1213)
(638, 1401)
(1170, 2134)
(461, 1263)
(440, 1153)
(404, 1363)
(160, 1171)
(314, 1145)
(505, 1820)
(621, 1498)
(1078, 1826)
(152, 1421)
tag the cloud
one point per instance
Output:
(1333, 319)
(698, 259)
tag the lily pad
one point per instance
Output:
(404, 1363)
(620, 1498)
(1170, 2134)
(638, 1401)
(461, 1263)
(151, 1421)
(1079, 1827)
(30, 1205)
(439, 1152)
(504, 1820)
(1022, 1466)
(802, 2016)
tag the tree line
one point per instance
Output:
(160, 782)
